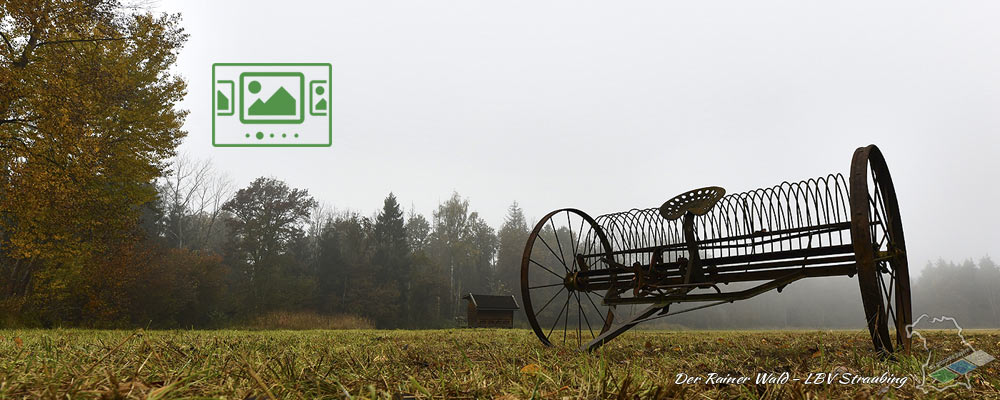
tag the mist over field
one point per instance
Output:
(116, 212)
(754, 195)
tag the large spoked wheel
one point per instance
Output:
(880, 251)
(561, 304)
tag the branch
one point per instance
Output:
(78, 40)
(17, 121)
(9, 46)
(32, 42)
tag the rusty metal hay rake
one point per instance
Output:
(587, 280)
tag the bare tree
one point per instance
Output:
(193, 194)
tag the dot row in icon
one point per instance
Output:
(260, 135)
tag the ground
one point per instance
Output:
(467, 363)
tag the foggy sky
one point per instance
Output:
(605, 106)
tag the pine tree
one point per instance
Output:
(513, 235)
(391, 261)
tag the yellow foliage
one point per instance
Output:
(87, 116)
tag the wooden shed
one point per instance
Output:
(487, 311)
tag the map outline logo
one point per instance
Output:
(946, 373)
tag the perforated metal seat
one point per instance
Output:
(697, 201)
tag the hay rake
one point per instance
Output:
(579, 274)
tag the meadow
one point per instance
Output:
(466, 363)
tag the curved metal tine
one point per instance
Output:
(543, 267)
(550, 301)
(584, 313)
(563, 262)
(563, 309)
(558, 242)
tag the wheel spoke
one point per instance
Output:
(561, 311)
(569, 226)
(550, 301)
(579, 327)
(558, 242)
(579, 234)
(887, 303)
(605, 320)
(553, 251)
(880, 203)
(590, 328)
(888, 297)
(543, 267)
(877, 202)
(566, 320)
(545, 286)
(880, 219)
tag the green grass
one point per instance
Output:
(448, 363)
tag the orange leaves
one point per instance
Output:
(531, 369)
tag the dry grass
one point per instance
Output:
(302, 320)
(446, 363)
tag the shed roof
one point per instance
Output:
(490, 302)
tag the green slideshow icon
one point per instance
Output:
(271, 105)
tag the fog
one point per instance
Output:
(605, 106)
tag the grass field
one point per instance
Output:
(452, 364)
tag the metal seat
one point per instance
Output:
(698, 202)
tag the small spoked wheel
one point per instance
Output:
(562, 302)
(880, 251)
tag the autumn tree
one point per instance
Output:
(87, 117)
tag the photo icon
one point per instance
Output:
(271, 105)
(271, 98)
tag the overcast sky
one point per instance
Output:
(605, 106)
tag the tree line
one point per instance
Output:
(205, 255)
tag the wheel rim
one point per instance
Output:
(880, 250)
(559, 309)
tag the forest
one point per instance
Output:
(204, 254)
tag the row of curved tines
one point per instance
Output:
(752, 222)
